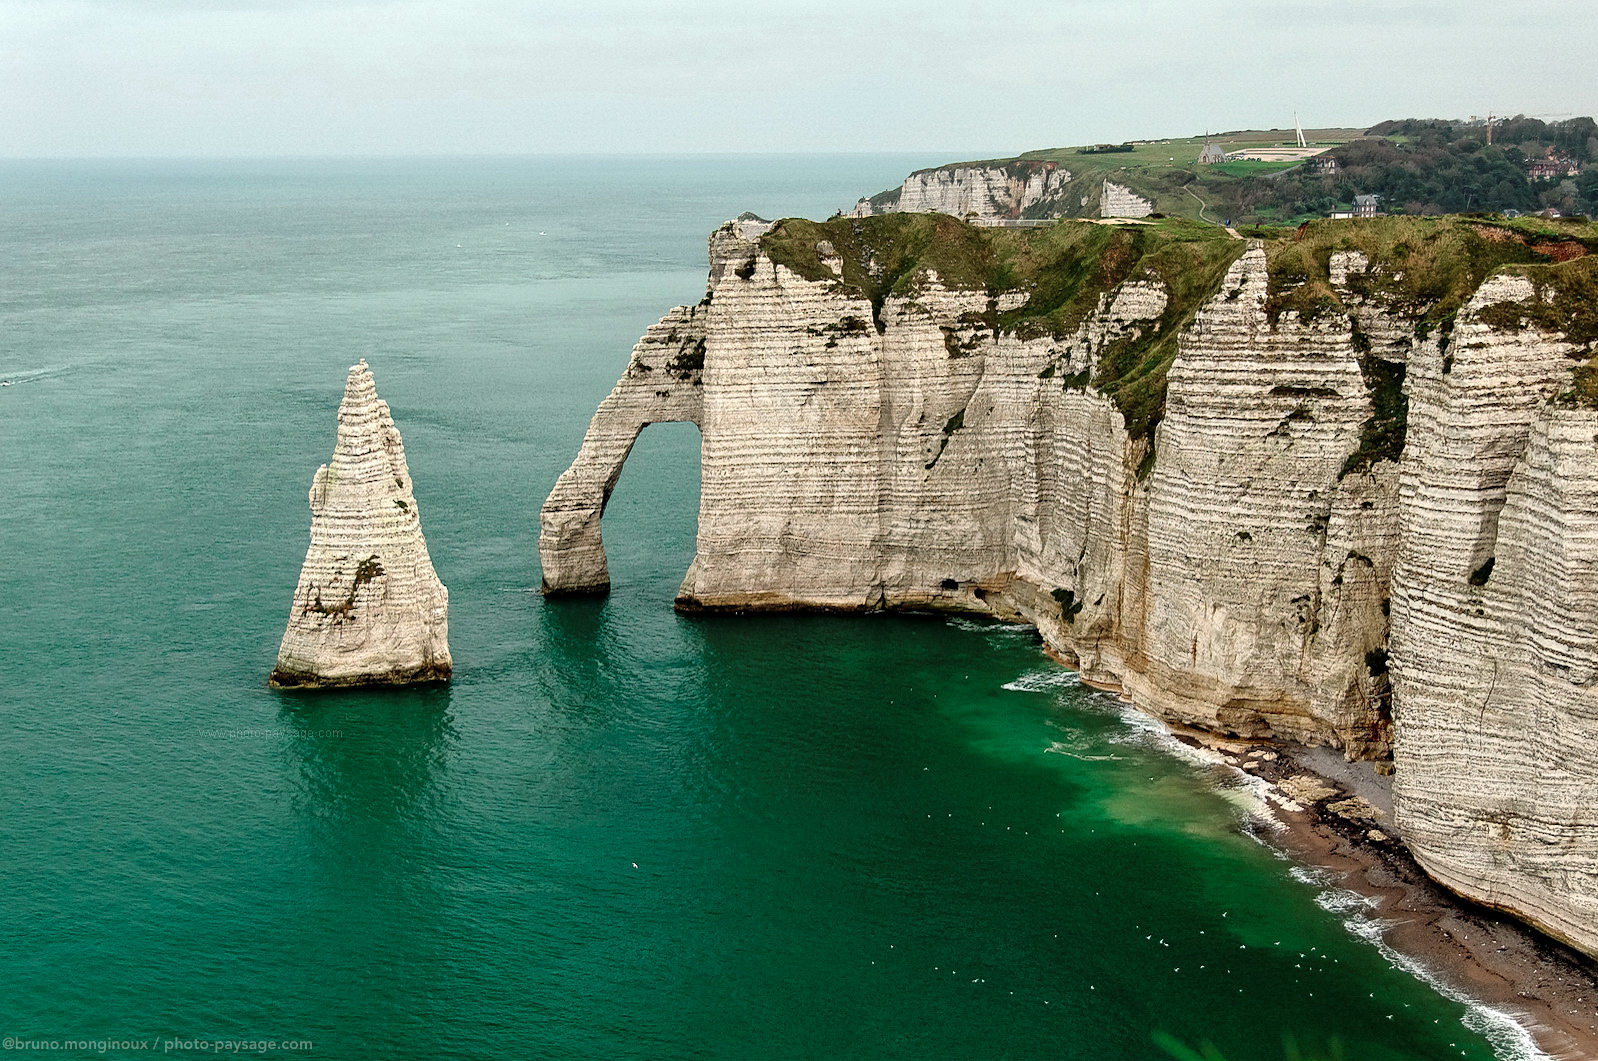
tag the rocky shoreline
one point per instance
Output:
(1336, 816)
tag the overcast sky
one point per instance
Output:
(331, 77)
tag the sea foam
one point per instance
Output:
(1044, 681)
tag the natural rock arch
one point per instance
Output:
(661, 385)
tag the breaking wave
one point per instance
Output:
(1510, 1040)
(994, 628)
(1078, 746)
(1044, 680)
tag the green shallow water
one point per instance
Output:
(620, 833)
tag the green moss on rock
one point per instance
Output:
(1382, 435)
(689, 360)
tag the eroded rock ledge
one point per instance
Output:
(1340, 489)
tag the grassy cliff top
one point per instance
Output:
(1063, 269)
(1182, 152)
(1424, 269)
(1165, 171)
(1177, 152)
(1427, 268)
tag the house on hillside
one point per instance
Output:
(1552, 167)
(1212, 155)
(1323, 164)
(1364, 206)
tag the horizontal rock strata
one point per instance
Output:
(1495, 626)
(1180, 460)
(978, 191)
(369, 609)
(1118, 201)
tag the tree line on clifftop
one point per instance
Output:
(1428, 166)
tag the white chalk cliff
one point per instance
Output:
(980, 191)
(369, 609)
(1117, 200)
(1191, 472)
(1495, 623)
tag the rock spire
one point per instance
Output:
(369, 609)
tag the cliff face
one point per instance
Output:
(1178, 457)
(980, 191)
(1266, 569)
(1495, 622)
(369, 609)
(1117, 200)
(995, 192)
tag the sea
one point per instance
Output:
(619, 833)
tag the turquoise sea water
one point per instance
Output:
(620, 833)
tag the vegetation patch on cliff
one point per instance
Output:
(1423, 268)
(1133, 371)
(1063, 269)
(1381, 436)
(1069, 605)
(1564, 303)
(689, 361)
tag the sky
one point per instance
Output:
(111, 78)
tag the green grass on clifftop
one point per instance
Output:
(1565, 302)
(1423, 268)
(1063, 269)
